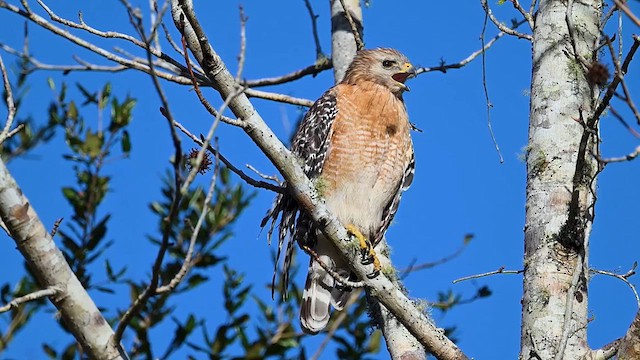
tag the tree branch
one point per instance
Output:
(29, 297)
(78, 311)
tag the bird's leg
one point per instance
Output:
(366, 248)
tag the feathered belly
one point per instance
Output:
(362, 196)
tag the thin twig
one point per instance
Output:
(243, 43)
(206, 142)
(604, 103)
(412, 267)
(501, 270)
(624, 277)
(627, 94)
(444, 67)
(150, 290)
(486, 90)
(502, 27)
(11, 105)
(354, 28)
(201, 97)
(314, 28)
(29, 297)
(273, 178)
(187, 263)
(622, 6)
(630, 156)
(249, 180)
(278, 97)
(313, 70)
(528, 16)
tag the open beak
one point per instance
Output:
(407, 71)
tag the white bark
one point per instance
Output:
(560, 170)
(78, 312)
(304, 191)
(343, 44)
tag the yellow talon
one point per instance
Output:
(368, 253)
(353, 230)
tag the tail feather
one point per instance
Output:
(320, 291)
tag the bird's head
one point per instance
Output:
(387, 67)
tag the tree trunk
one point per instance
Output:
(343, 44)
(77, 311)
(561, 172)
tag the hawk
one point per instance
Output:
(354, 143)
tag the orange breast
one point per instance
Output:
(370, 148)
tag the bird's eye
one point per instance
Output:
(388, 63)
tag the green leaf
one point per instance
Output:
(125, 142)
(93, 144)
(51, 352)
(374, 342)
(72, 111)
(104, 96)
(52, 86)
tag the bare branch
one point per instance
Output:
(528, 15)
(500, 270)
(314, 28)
(501, 26)
(278, 97)
(11, 106)
(313, 70)
(630, 156)
(187, 263)
(413, 267)
(486, 90)
(30, 297)
(78, 311)
(150, 290)
(624, 277)
(207, 141)
(625, 9)
(617, 78)
(354, 28)
(273, 178)
(249, 180)
(243, 43)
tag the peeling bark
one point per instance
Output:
(560, 182)
(78, 312)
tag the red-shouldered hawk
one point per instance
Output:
(354, 143)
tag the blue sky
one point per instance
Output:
(460, 187)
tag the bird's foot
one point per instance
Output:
(366, 249)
